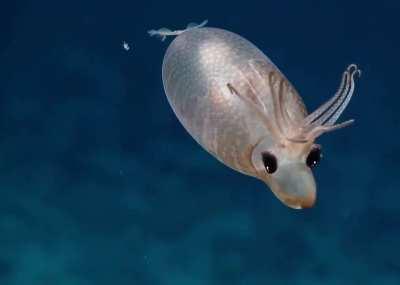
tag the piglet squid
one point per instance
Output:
(239, 107)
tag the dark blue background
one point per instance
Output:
(100, 184)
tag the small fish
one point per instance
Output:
(164, 32)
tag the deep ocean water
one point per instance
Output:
(100, 184)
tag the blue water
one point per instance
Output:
(100, 184)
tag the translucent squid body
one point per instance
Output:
(238, 106)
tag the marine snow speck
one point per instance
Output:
(238, 106)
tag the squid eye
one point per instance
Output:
(314, 157)
(270, 162)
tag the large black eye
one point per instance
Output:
(270, 162)
(314, 157)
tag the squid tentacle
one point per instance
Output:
(323, 119)
(319, 111)
(256, 108)
(334, 105)
(343, 106)
(324, 129)
(285, 113)
(276, 102)
(281, 117)
(268, 81)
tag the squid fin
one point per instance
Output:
(163, 33)
(195, 25)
